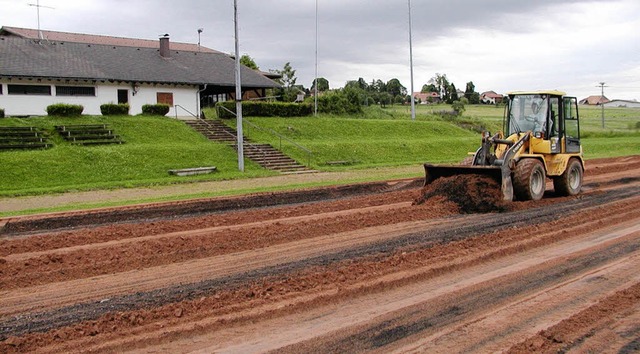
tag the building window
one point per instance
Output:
(29, 90)
(75, 91)
(165, 98)
(1, 89)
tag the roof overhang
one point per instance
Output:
(540, 92)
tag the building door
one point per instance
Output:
(123, 96)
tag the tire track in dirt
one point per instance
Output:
(184, 292)
(166, 249)
(176, 210)
(436, 305)
(334, 265)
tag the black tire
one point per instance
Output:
(570, 181)
(529, 180)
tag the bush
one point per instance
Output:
(155, 109)
(112, 109)
(65, 110)
(446, 115)
(264, 109)
(458, 106)
(338, 102)
(1, 113)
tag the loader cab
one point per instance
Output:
(549, 115)
(571, 124)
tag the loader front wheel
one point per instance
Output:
(570, 181)
(529, 180)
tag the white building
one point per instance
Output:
(92, 70)
(623, 103)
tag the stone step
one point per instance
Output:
(263, 154)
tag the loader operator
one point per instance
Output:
(538, 116)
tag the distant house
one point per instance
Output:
(38, 69)
(594, 100)
(622, 103)
(490, 97)
(427, 97)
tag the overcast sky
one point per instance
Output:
(500, 45)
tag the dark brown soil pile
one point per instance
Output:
(472, 193)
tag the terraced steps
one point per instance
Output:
(264, 154)
(21, 138)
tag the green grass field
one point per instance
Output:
(379, 137)
(153, 146)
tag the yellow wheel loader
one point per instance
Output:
(542, 140)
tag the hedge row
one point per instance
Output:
(264, 109)
(155, 109)
(107, 109)
(65, 110)
(112, 109)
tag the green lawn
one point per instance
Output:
(366, 142)
(378, 137)
(153, 146)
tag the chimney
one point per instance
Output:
(165, 51)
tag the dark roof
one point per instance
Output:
(56, 36)
(66, 60)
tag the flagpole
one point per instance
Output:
(238, 93)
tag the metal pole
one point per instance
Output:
(38, 6)
(315, 96)
(38, 12)
(601, 102)
(413, 104)
(238, 93)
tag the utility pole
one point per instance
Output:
(413, 104)
(240, 138)
(38, 6)
(602, 86)
(315, 95)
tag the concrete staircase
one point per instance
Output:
(263, 154)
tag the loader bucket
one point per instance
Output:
(502, 175)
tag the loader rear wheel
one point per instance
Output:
(570, 181)
(529, 180)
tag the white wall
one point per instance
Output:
(622, 103)
(20, 105)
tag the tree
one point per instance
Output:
(475, 98)
(362, 84)
(288, 92)
(453, 93)
(288, 75)
(471, 88)
(385, 98)
(395, 89)
(248, 61)
(442, 85)
(323, 85)
(429, 88)
(378, 86)
(471, 94)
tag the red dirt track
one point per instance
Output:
(377, 267)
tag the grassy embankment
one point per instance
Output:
(381, 137)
